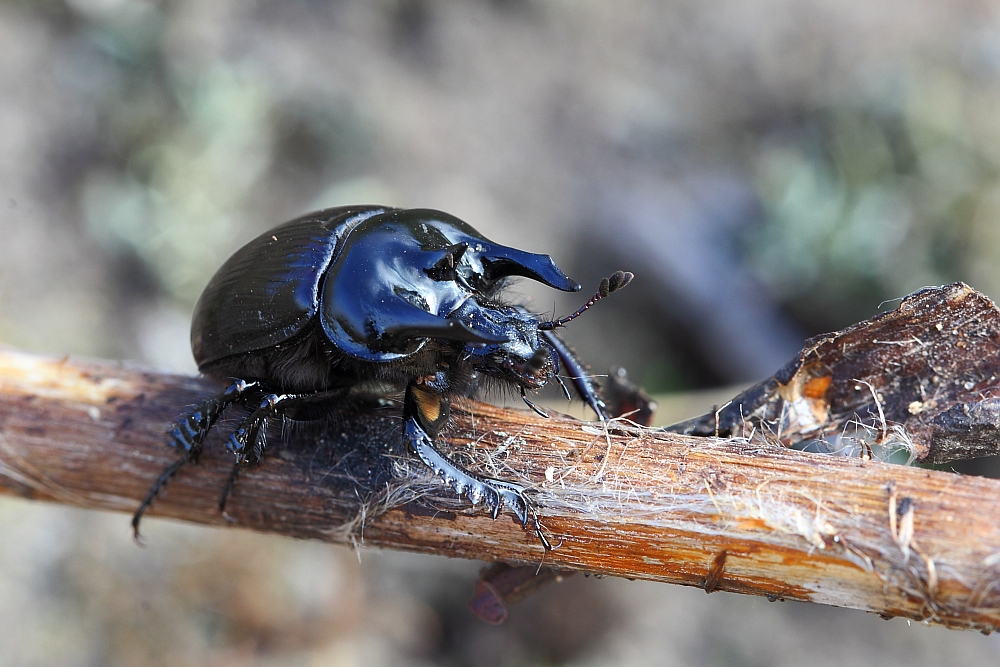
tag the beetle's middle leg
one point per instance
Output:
(248, 441)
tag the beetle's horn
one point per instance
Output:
(407, 321)
(502, 261)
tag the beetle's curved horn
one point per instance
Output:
(403, 321)
(501, 261)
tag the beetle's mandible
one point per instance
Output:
(372, 300)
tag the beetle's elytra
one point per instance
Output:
(374, 300)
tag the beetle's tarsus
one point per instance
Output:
(161, 481)
(541, 536)
(227, 489)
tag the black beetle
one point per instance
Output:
(371, 300)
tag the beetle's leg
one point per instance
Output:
(492, 492)
(237, 444)
(230, 483)
(160, 482)
(579, 374)
(538, 411)
(192, 428)
(426, 410)
(247, 442)
(251, 431)
(188, 433)
(562, 385)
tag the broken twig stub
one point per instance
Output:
(923, 379)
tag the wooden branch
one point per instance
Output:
(624, 501)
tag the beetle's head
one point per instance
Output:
(408, 276)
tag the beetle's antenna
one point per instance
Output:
(613, 283)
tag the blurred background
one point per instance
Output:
(770, 170)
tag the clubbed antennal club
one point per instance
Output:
(612, 283)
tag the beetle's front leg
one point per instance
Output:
(578, 374)
(426, 410)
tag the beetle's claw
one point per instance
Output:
(512, 496)
(502, 494)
